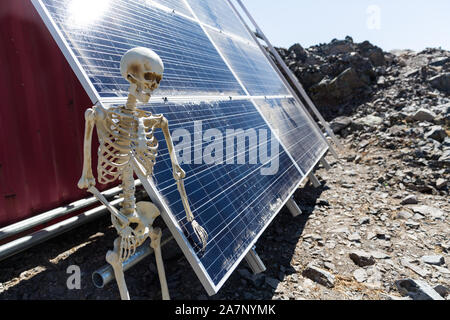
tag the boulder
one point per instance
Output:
(340, 123)
(436, 133)
(424, 115)
(370, 121)
(362, 258)
(300, 53)
(436, 260)
(374, 53)
(441, 184)
(319, 275)
(428, 211)
(417, 289)
(360, 275)
(411, 199)
(441, 82)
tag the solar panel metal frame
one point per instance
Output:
(150, 187)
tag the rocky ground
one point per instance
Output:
(378, 227)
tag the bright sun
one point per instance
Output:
(85, 12)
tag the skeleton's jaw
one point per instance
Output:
(138, 93)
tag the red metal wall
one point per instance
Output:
(42, 108)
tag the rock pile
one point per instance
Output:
(341, 75)
(398, 101)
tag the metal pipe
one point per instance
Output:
(294, 79)
(38, 220)
(11, 248)
(105, 274)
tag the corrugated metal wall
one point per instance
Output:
(42, 108)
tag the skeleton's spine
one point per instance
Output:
(129, 202)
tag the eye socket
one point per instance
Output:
(151, 76)
(148, 76)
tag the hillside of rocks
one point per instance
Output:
(397, 101)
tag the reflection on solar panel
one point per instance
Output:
(192, 65)
(294, 130)
(250, 66)
(218, 14)
(233, 202)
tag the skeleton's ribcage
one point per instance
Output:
(146, 157)
(119, 141)
(111, 161)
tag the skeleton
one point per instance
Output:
(127, 143)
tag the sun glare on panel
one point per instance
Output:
(84, 12)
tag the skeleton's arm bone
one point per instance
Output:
(179, 174)
(105, 202)
(87, 178)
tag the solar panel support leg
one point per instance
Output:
(316, 183)
(255, 262)
(293, 207)
(325, 164)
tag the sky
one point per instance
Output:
(389, 24)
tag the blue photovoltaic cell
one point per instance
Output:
(232, 202)
(219, 14)
(192, 64)
(177, 5)
(301, 138)
(250, 66)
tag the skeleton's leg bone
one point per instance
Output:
(112, 257)
(293, 207)
(155, 237)
(102, 276)
(255, 262)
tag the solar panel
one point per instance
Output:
(236, 192)
(233, 202)
(302, 141)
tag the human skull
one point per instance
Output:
(144, 69)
